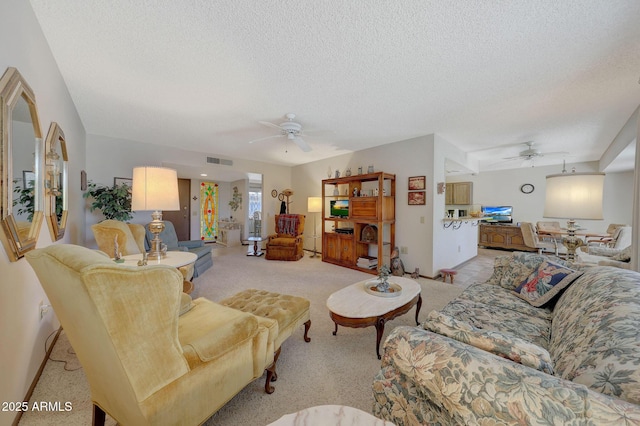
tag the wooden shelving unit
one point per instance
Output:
(368, 230)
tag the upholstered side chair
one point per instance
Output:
(286, 243)
(531, 239)
(151, 355)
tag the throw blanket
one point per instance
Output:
(288, 224)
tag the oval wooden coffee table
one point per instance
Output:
(355, 308)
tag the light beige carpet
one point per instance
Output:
(328, 370)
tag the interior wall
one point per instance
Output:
(109, 157)
(502, 187)
(417, 227)
(22, 333)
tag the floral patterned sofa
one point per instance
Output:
(491, 357)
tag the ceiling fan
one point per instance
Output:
(531, 153)
(289, 129)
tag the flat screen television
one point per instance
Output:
(339, 208)
(497, 214)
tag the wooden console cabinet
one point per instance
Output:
(502, 236)
(370, 221)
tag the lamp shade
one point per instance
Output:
(154, 188)
(314, 204)
(574, 196)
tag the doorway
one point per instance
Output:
(181, 219)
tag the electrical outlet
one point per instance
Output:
(404, 250)
(421, 219)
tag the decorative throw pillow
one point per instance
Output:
(504, 345)
(545, 283)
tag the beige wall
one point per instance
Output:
(22, 333)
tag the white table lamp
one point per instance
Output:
(156, 189)
(314, 205)
(574, 196)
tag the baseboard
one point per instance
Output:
(27, 397)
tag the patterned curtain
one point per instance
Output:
(208, 211)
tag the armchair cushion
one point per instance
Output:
(288, 225)
(284, 242)
(226, 328)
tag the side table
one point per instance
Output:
(257, 251)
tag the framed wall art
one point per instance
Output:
(417, 183)
(120, 180)
(417, 198)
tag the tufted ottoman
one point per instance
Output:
(290, 312)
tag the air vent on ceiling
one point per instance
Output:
(214, 160)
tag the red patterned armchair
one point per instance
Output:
(286, 244)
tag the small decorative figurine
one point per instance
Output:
(370, 169)
(348, 171)
(143, 262)
(337, 173)
(360, 170)
(355, 192)
(117, 256)
(416, 274)
(383, 275)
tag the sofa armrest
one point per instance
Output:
(191, 244)
(427, 378)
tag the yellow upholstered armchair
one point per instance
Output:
(151, 355)
(286, 244)
(130, 237)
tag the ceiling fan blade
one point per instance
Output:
(266, 123)
(554, 153)
(267, 137)
(302, 144)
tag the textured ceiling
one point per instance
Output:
(200, 74)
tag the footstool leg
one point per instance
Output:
(307, 325)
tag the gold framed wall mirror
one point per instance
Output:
(56, 178)
(21, 145)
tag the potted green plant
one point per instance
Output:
(113, 201)
(24, 200)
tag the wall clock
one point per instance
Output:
(274, 193)
(527, 188)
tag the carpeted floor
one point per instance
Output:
(328, 370)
